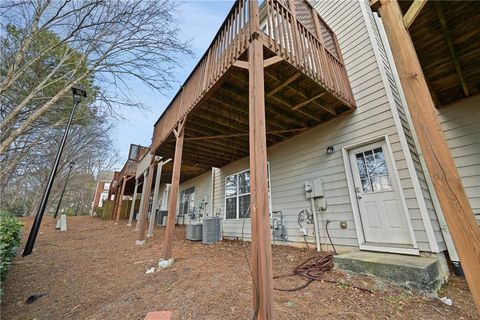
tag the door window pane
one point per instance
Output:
(366, 186)
(373, 171)
(376, 184)
(385, 182)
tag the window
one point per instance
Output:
(106, 186)
(187, 201)
(373, 171)
(237, 195)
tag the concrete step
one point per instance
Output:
(411, 272)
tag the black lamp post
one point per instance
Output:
(77, 94)
(70, 167)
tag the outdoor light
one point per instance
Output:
(77, 94)
(330, 150)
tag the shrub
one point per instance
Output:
(99, 211)
(10, 233)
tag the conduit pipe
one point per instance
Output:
(315, 224)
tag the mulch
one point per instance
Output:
(95, 271)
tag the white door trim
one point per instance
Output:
(356, 212)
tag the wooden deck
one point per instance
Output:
(305, 84)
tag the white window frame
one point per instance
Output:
(189, 201)
(238, 195)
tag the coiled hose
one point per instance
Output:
(313, 269)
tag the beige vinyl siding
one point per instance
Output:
(461, 125)
(392, 82)
(202, 186)
(340, 16)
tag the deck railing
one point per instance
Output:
(302, 39)
(308, 43)
(229, 43)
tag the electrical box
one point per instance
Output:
(321, 203)
(314, 188)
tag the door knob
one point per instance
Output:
(358, 191)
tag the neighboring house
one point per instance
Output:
(124, 182)
(356, 151)
(104, 179)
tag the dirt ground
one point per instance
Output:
(95, 271)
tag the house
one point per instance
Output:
(104, 179)
(331, 140)
(123, 185)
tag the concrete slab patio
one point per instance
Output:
(410, 272)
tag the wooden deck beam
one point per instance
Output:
(120, 204)
(142, 197)
(291, 106)
(291, 86)
(286, 115)
(132, 208)
(195, 130)
(246, 134)
(451, 47)
(285, 83)
(309, 100)
(413, 12)
(158, 177)
(172, 201)
(445, 177)
(271, 61)
(142, 228)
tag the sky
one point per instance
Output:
(199, 22)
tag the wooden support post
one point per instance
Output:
(151, 224)
(115, 202)
(132, 208)
(140, 210)
(172, 202)
(259, 209)
(143, 219)
(120, 203)
(445, 178)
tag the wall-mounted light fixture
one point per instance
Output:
(330, 150)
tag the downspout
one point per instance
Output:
(212, 191)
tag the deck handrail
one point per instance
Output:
(228, 44)
(286, 35)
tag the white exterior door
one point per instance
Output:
(381, 208)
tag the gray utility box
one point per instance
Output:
(212, 229)
(194, 231)
(159, 217)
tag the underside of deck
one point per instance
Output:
(216, 130)
(447, 42)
